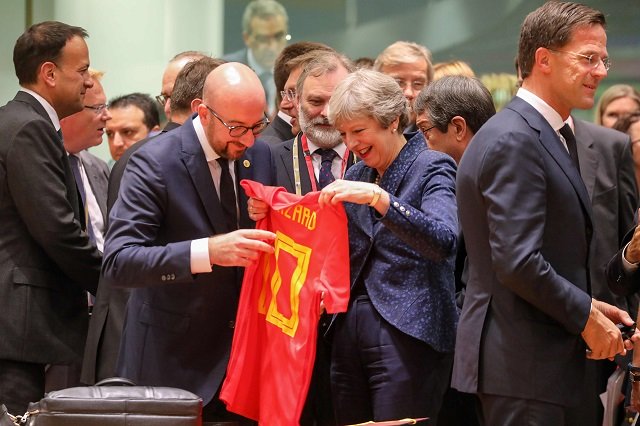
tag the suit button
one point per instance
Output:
(407, 213)
(173, 276)
(396, 204)
(232, 324)
(163, 278)
(402, 208)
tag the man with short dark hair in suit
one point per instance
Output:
(47, 262)
(177, 236)
(528, 316)
(282, 126)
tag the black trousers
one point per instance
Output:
(20, 384)
(507, 411)
(379, 373)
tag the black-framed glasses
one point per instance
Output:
(593, 60)
(97, 109)
(237, 131)
(289, 95)
(424, 131)
(162, 99)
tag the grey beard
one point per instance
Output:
(320, 137)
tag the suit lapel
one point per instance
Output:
(244, 170)
(198, 169)
(551, 142)
(98, 186)
(286, 157)
(588, 157)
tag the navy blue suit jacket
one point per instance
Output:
(406, 257)
(179, 326)
(526, 218)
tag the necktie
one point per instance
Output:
(325, 177)
(228, 195)
(75, 169)
(570, 139)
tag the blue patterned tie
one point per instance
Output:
(325, 176)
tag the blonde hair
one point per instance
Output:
(402, 52)
(614, 92)
(442, 69)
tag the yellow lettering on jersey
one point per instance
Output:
(302, 254)
(302, 215)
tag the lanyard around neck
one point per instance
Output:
(307, 159)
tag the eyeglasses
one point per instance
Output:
(416, 85)
(162, 99)
(424, 131)
(289, 95)
(267, 38)
(97, 109)
(237, 131)
(593, 60)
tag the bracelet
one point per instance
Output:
(634, 373)
(377, 191)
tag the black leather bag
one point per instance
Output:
(116, 402)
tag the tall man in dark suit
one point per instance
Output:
(47, 263)
(173, 237)
(107, 320)
(283, 127)
(528, 316)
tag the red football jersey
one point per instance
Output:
(274, 342)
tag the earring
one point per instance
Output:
(394, 130)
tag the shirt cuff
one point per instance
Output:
(626, 265)
(200, 256)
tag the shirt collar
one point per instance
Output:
(53, 115)
(340, 149)
(549, 114)
(286, 117)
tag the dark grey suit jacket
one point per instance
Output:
(107, 319)
(527, 223)
(47, 262)
(607, 170)
(276, 132)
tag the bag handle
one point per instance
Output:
(115, 381)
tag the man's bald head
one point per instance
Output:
(233, 101)
(233, 80)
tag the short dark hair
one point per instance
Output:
(140, 100)
(454, 95)
(321, 64)
(41, 43)
(282, 69)
(551, 26)
(190, 83)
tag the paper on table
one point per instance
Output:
(392, 422)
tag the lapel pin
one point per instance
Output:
(246, 163)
